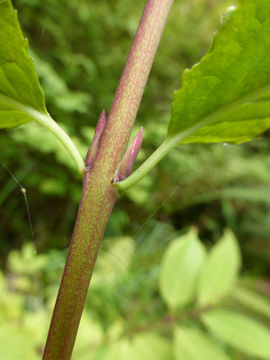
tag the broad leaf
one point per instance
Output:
(226, 97)
(144, 346)
(19, 84)
(239, 331)
(151, 346)
(219, 271)
(253, 301)
(180, 268)
(193, 344)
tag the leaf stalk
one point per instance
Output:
(46, 121)
(173, 140)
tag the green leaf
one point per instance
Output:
(194, 344)
(226, 97)
(219, 271)
(21, 97)
(252, 300)
(239, 331)
(144, 346)
(151, 346)
(180, 268)
(19, 84)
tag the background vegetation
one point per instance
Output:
(79, 48)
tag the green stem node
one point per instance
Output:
(173, 140)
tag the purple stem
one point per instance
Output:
(99, 194)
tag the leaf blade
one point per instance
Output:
(180, 268)
(252, 300)
(194, 344)
(18, 79)
(212, 102)
(151, 346)
(239, 331)
(219, 271)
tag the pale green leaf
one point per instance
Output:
(219, 271)
(120, 350)
(239, 331)
(151, 346)
(19, 84)
(194, 344)
(226, 96)
(252, 300)
(180, 268)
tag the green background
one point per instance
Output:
(79, 49)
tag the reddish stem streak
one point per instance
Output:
(135, 74)
(99, 195)
(85, 267)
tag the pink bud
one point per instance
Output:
(126, 164)
(92, 152)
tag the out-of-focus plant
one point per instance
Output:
(215, 104)
(202, 308)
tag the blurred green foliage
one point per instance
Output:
(79, 49)
(141, 307)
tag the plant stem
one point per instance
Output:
(99, 194)
(51, 125)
